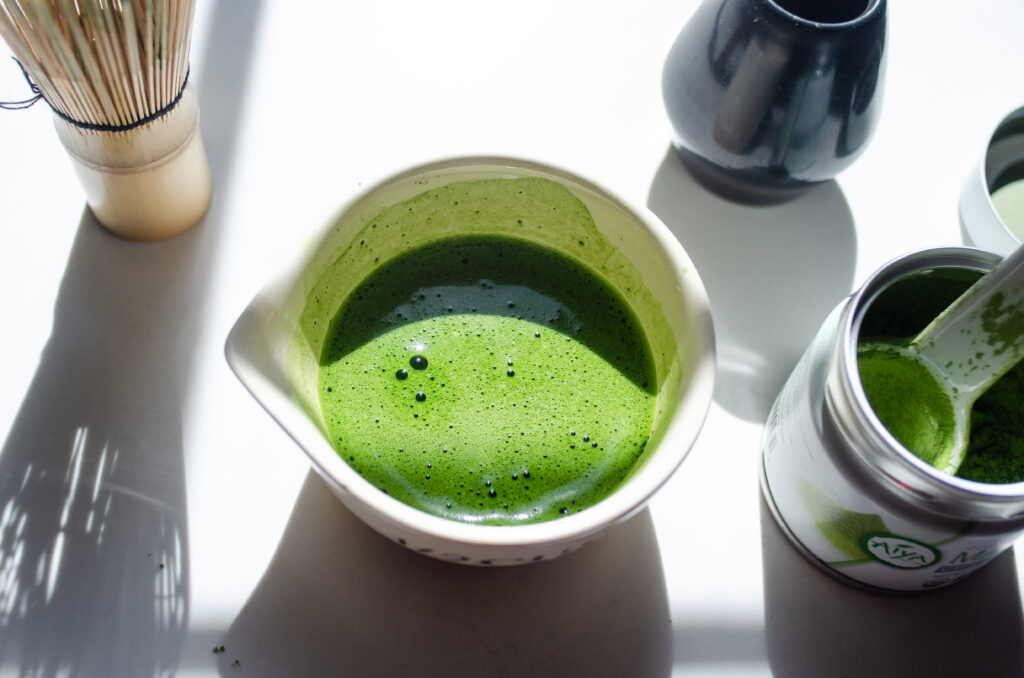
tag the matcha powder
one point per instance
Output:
(995, 448)
(995, 453)
(908, 401)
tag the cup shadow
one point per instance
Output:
(339, 599)
(818, 626)
(773, 272)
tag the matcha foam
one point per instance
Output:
(489, 380)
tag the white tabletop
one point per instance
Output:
(150, 511)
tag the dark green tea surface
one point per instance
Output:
(488, 380)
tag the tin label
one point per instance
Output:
(901, 552)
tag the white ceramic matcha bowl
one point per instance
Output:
(275, 353)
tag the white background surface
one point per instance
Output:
(150, 511)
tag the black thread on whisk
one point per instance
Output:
(18, 105)
(26, 103)
(132, 125)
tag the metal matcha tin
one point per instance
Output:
(849, 496)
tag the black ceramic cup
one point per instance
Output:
(769, 97)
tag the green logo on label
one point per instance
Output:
(901, 552)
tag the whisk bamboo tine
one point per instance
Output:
(132, 58)
(102, 62)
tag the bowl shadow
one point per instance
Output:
(772, 272)
(818, 626)
(339, 599)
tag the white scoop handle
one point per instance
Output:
(981, 335)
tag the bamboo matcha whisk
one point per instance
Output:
(115, 73)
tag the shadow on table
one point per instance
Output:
(94, 564)
(772, 272)
(707, 649)
(93, 538)
(817, 626)
(339, 599)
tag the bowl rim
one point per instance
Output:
(627, 499)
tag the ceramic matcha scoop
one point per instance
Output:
(974, 342)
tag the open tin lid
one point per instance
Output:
(992, 198)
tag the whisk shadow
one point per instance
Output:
(93, 533)
(94, 557)
(339, 599)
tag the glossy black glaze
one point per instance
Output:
(768, 97)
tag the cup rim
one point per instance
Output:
(624, 501)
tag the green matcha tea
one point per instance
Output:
(488, 380)
(914, 406)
